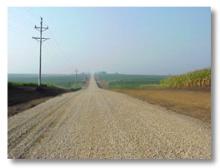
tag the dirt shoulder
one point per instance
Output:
(194, 103)
(25, 97)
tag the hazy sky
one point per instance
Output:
(125, 40)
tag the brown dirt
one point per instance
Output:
(25, 97)
(194, 103)
(17, 108)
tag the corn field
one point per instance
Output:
(195, 79)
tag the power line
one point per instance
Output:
(55, 42)
(56, 45)
(41, 29)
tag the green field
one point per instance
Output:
(62, 81)
(195, 79)
(118, 81)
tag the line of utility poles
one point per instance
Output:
(41, 29)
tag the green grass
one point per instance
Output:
(20, 84)
(61, 81)
(195, 79)
(120, 81)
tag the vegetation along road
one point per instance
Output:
(94, 123)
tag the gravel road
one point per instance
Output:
(99, 124)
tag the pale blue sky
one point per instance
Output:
(125, 40)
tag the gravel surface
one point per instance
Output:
(99, 124)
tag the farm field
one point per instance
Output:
(192, 103)
(63, 81)
(173, 92)
(119, 81)
(195, 79)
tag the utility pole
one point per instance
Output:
(41, 29)
(76, 71)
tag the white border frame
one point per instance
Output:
(4, 4)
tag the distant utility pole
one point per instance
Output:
(41, 29)
(76, 71)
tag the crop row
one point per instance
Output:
(195, 79)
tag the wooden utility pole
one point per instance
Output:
(41, 29)
(76, 71)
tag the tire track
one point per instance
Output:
(23, 137)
